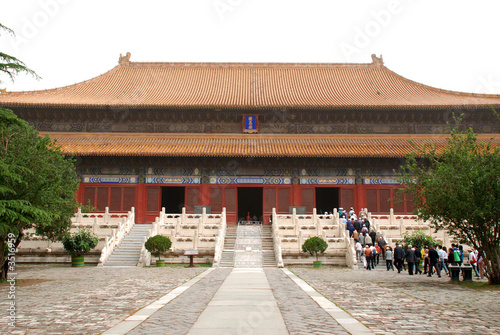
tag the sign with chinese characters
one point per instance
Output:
(250, 123)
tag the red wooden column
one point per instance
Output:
(359, 197)
(140, 203)
(296, 195)
(204, 194)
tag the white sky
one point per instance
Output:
(446, 44)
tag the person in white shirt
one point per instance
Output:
(442, 256)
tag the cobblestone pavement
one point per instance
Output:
(391, 303)
(301, 314)
(85, 300)
(180, 314)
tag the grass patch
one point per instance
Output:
(477, 285)
(23, 282)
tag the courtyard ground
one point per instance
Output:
(91, 300)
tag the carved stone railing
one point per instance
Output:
(277, 241)
(219, 240)
(204, 232)
(113, 241)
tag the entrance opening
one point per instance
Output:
(172, 198)
(250, 202)
(327, 198)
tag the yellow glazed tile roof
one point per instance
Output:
(249, 86)
(244, 145)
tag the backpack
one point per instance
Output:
(456, 255)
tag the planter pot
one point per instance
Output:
(77, 261)
(317, 264)
(160, 263)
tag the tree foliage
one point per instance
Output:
(80, 243)
(418, 238)
(457, 188)
(315, 246)
(10, 65)
(37, 183)
(157, 245)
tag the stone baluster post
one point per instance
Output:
(295, 221)
(195, 239)
(106, 215)
(95, 226)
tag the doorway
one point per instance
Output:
(327, 198)
(172, 198)
(250, 202)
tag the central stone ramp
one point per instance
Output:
(248, 247)
(244, 304)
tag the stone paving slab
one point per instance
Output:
(179, 315)
(86, 300)
(391, 303)
(302, 315)
(238, 317)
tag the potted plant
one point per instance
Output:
(79, 244)
(157, 245)
(315, 246)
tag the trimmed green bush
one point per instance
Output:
(157, 245)
(315, 246)
(80, 242)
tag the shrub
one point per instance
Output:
(419, 239)
(80, 242)
(315, 246)
(157, 245)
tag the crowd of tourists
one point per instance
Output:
(371, 248)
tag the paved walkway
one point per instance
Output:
(94, 300)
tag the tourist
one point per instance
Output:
(355, 235)
(366, 223)
(379, 251)
(382, 243)
(362, 240)
(351, 212)
(480, 263)
(399, 256)
(364, 230)
(410, 259)
(358, 224)
(461, 252)
(368, 240)
(418, 257)
(433, 262)
(374, 256)
(368, 256)
(442, 257)
(451, 254)
(425, 254)
(389, 258)
(373, 235)
(473, 260)
(359, 250)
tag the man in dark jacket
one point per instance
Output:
(410, 259)
(399, 255)
(433, 260)
(418, 257)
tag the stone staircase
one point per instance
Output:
(128, 252)
(227, 258)
(268, 257)
(248, 246)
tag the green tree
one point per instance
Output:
(457, 188)
(315, 246)
(10, 65)
(157, 245)
(80, 243)
(417, 238)
(37, 185)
